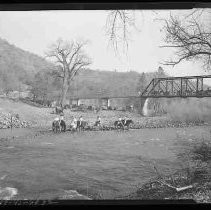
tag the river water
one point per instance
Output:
(37, 164)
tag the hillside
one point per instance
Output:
(18, 67)
(104, 83)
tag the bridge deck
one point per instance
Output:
(106, 98)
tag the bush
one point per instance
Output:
(198, 168)
(193, 109)
(109, 108)
(202, 151)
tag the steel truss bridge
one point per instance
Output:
(167, 87)
(170, 87)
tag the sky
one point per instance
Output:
(35, 31)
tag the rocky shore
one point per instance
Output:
(174, 187)
(8, 120)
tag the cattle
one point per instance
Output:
(58, 126)
(90, 108)
(67, 106)
(63, 125)
(123, 124)
(128, 122)
(59, 110)
(119, 124)
(81, 125)
(97, 123)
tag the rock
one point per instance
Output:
(7, 193)
(73, 195)
(5, 121)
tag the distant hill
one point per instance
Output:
(17, 66)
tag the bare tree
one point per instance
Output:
(191, 38)
(118, 26)
(71, 58)
(188, 35)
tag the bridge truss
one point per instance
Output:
(169, 87)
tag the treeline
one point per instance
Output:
(92, 83)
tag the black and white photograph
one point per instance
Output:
(105, 104)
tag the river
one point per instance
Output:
(43, 165)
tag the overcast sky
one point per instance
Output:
(34, 31)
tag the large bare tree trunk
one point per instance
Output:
(65, 87)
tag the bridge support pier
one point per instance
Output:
(78, 102)
(108, 102)
(142, 102)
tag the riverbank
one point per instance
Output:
(25, 115)
(193, 182)
(173, 187)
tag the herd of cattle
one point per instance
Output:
(60, 125)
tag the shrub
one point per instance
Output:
(202, 151)
(189, 109)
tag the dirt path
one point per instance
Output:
(40, 164)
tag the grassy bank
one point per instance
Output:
(43, 117)
(193, 181)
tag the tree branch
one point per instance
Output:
(192, 41)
